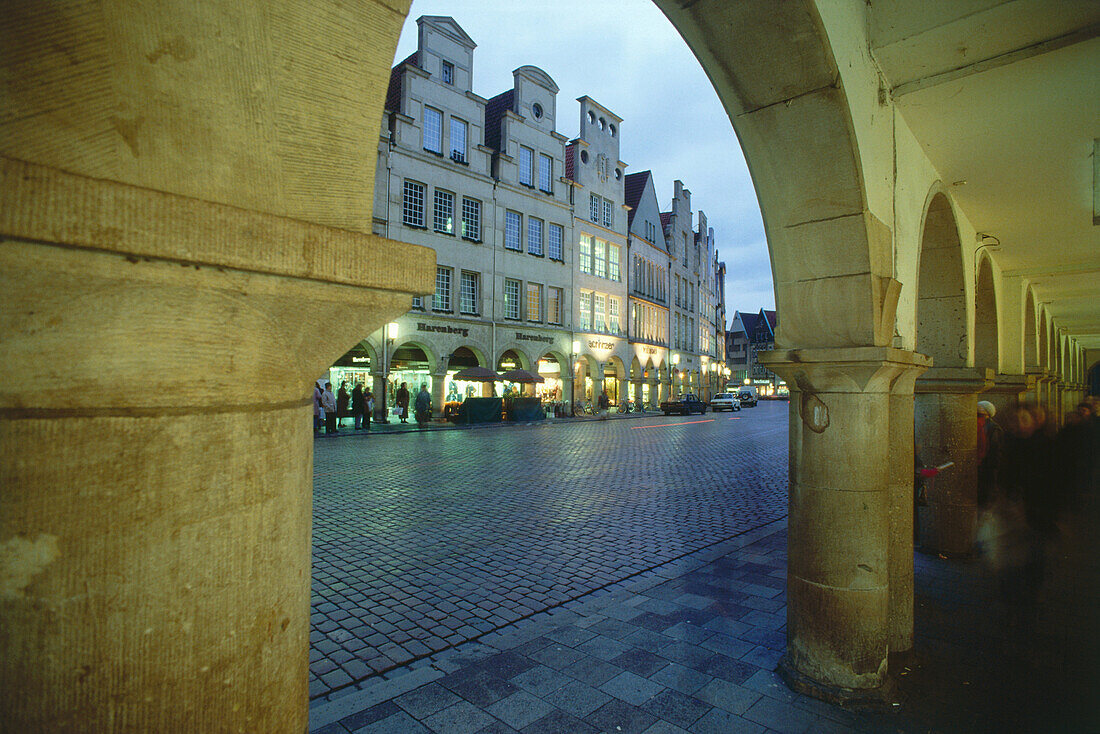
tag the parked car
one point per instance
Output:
(685, 404)
(725, 401)
(747, 397)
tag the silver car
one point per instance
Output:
(725, 401)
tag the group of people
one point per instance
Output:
(1031, 479)
(329, 410)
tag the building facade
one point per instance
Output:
(536, 246)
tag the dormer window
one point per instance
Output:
(448, 73)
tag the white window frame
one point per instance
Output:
(594, 208)
(443, 212)
(526, 166)
(613, 314)
(536, 290)
(608, 214)
(599, 315)
(586, 311)
(600, 259)
(554, 296)
(555, 241)
(412, 207)
(458, 141)
(441, 299)
(546, 173)
(511, 299)
(513, 231)
(585, 249)
(471, 219)
(444, 68)
(614, 264)
(468, 293)
(432, 130)
(534, 236)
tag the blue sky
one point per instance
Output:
(628, 57)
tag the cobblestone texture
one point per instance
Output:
(425, 541)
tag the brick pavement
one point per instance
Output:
(426, 541)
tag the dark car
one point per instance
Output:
(685, 404)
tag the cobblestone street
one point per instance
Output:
(425, 541)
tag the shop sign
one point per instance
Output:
(442, 329)
(520, 336)
(359, 360)
(596, 344)
(649, 350)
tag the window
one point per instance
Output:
(511, 299)
(534, 302)
(448, 72)
(534, 236)
(546, 173)
(418, 303)
(586, 312)
(458, 140)
(613, 314)
(433, 130)
(556, 237)
(468, 293)
(471, 219)
(511, 231)
(601, 259)
(444, 219)
(553, 305)
(586, 254)
(442, 299)
(613, 261)
(594, 208)
(599, 321)
(684, 237)
(526, 161)
(412, 212)
(607, 218)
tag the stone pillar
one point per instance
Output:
(1007, 392)
(381, 412)
(1033, 387)
(567, 382)
(156, 451)
(636, 387)
(597, 385)
(438, 396)
(946, 417)
(900, 555)
(1058, 403)
(838, 574)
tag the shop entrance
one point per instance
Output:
(353, 368)
(510, 361)
(458, 390)
(410, 366)
(549, 369)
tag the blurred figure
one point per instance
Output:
(1023, 512)
(1076, 453)
(990, 437)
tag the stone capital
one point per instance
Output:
(958, 380)
(844, 370)
(1012, 384)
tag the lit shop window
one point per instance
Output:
(599, 319)
(586, 312)
(601, 259)
(613, 261)
(586, 253)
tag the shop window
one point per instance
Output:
(534, 236)
(471, 219)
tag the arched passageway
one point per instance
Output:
(986, 336)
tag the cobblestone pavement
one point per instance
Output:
(426, 541)
(691, 645)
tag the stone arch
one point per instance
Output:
(614, 365)
(941, 286)
(782, 84)
(460, 355)
(1052, 346)
(429, 356)
(1044, 337)
(1067, 361)
(1031, 335)
(635, 369)
(986, 323)
(523, 360)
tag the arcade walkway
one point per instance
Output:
(691, 647)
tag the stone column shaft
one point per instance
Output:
(438, 396)
(838, 605)
(946, 417)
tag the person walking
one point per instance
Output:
(328, 402)
(318, 409)
(402, 400)
(990, 437)
(368, 402)
(423, 406)
(603, 403)
(358, 405)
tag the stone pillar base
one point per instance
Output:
(879, 698)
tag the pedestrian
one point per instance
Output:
(603, 403)
(328, 402)
(402, 400)
(990, 436)
(318, 409)
(369, 404)
(358, 405)
(423, 406)
(343, 401)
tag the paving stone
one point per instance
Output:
(779, 717)
(726, 668)
(675, 707)
(639, 662)
(728, 696)
(557, 656)
(520, 709)
(427, 700)
(399, 723)
(481, 689)
(731, 647)
(663, 727)
(541, 680)
(559, 722)
(717, 721)
(631, 688)
(605, 648)
(462, 718)
(592, 671)
(680, 678)
(576, 698)
(620, 717)
(369, 716)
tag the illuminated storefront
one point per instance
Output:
(550, 390)
(409, 365)
(353, 368)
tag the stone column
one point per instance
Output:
(381, 414)
(597, 386)
(1007, 392)
(623, 394)
(946, 417)
(567, 381)
(1034, 386)
(438, 396)
(664, 390)
(838, 600)
(1057, 403)
(156, 452)
(900, 555)
(636, 386)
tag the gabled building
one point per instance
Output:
(649, 263)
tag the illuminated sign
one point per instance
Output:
(442, 329)
(360, 359)
(520, 336)
(649, 350)
(595, 344)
